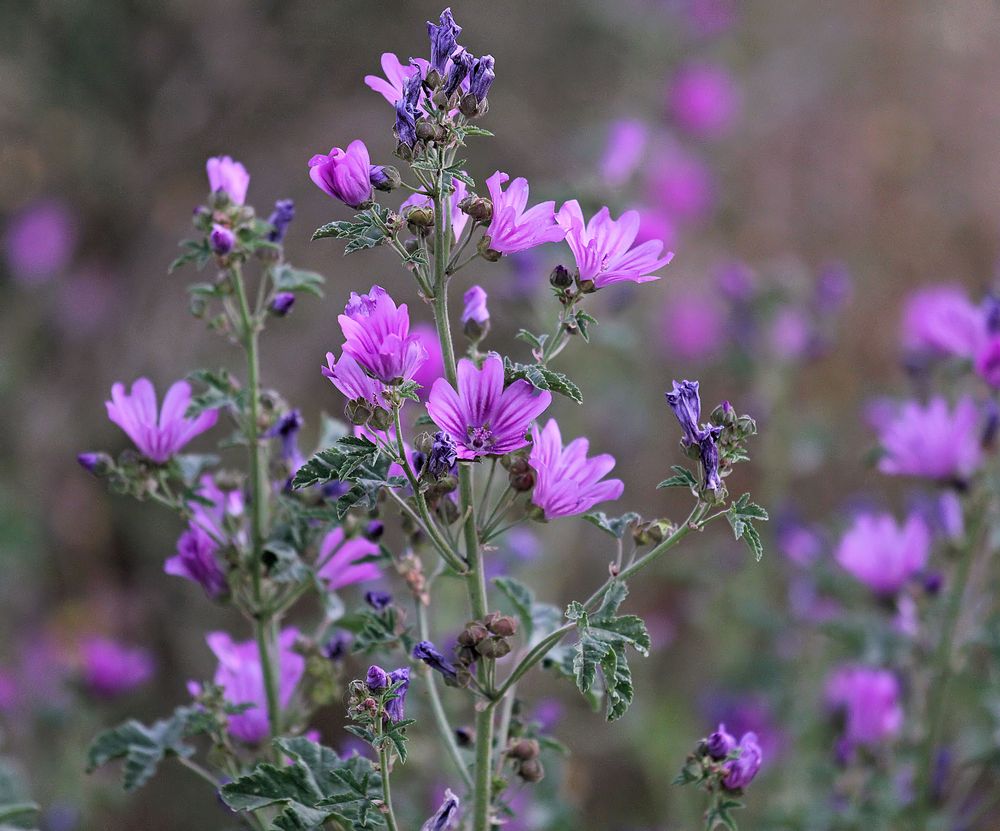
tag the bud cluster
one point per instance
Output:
(526, 753)
(486, 638)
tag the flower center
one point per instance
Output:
(480, 438)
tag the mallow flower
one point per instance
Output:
(242, 680)
(157, 435)
(110, 669)
(513, 228)
(704, 99)
(627, 140)
(603, 247)
(196, 560)
(444, 38)
(216, 508)
(377, 335)
(482, 417)
(566, 481)
(228, 176)
(338, 560)
(446, 817)
(344, 174)
(987, 362)
(685, 400)
(869, 698)
(941, 321)
(742, 770)
(883, 554)
(933, 441)
(350, 378)
(396, 75)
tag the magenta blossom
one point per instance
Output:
(513, 228)
(482, 417)
(692, 326)
(742, 770)
(433, 368)
(196, 560)
(338, 560)
(682, 185)
(40, 240)
(942, 321)
(474, 307)
(458, 193)
(348, 376)
(109, 668)
(883, 554)
(933, 441)
(603, 247)
(566, 481)
(988, 362)
(344, 174)
(228, 176)
(627, 140)
(704, 99)
(396, 74)
(158, 437)
(377, 335)
(869, 698)
(225, 507)
(242, 681)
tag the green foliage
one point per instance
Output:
(377, 630)
(453, 171)
(17, 811)
(542, 378)
(741, 515)
(287, 278)
(682, 478)
(337, 462)
(537, 619)
(366, 230)
(583, 321)
(196, 251)
(317, 787)
(617, 527)
(221, 391)
(604, 637)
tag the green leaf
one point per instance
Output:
(537, 342)
(542, 378)
(283, 563)
(220, 391)
(615, 526)
(336, 462)
(682, 478)
(522, 599)
(364, 231)
(198, 252)
(287, 278)
(740, 515)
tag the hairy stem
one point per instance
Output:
(383, 762)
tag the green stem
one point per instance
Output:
(259, 504)
(383, 761)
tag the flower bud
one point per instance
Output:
(480, 208)
(222, 239)
(475, 315)
(358, 411)
(493, 648)
(465, 736)
(425, 130)
(487, 253)
(282, 303)
(384, 177)
(531, 771)
(524, 749)
(473, 633)
(720, 744)
(522, 482)
(469, 106)
(377, 678)
(374, 530)
(378, 600)
(100, 464)
(560, 277)
(441, 455)
(503, 626)
(380, 419)
(280, 219)
(481, 78)
(418, 220)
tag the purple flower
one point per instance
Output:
(941, 321)
(475, 306)
(481, 77)
(720, 744)
(338, 559)
(406, 124)
(692, 326)
(281, 303)
(287, 430)
(395, 709)
(743, 769)
(882, 554)
(482, 417)
(391, 88)
(444, 39)
(377, 335)
(242, 680)
(987, 362)
(442, 456)
(704, 99)
(461, 64)
(682, 185)
(627, 140)
(446, 817)
(158, 436)
(279, 220)
(344, 175)
(39, 241)
(433, 367)
(378, 600)
(196, 561)
(685, 401)
(932, 441)
(222, 239)
(791, 334)
(377, 679)
(228, 176)
(566, 481)
(514, 229)
(223, 507)
(710, 459)
(603, 247)
(110, 669)
(869, 698)
(348, 376)
(458, 218)
(425, 651)
(383, 177)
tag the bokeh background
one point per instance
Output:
(808, 162)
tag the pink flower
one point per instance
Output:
(109, 668)
(933, 441)
(513, 228)
(348, 376)
(196, 561)
(692, 326)
(882, 554)
(942, 321)
(566, 481)
(39, 241)
(396, 73)
(988, 362)
(603, 247)
(344, 174)
(338, 557)
(482, 417)
(377, 335)
(157, 437)
(704, 99)
(682, 185)
(627, 140)
(228, 176)
(433, 368)
(869, 696)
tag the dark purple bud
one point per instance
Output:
(287, 429)
(444, 39)
(222, 239)
(991, 311)
(710, 458)
(446, 817)
(685, 401)
(933, 582)
(720, 744)
(96, 463)
(481, 78)
(384, 177)
(425, 651)
(406, 124)
(395, 708)
(336, 648)
(442, 456)
(742, 770)
(377, 678)
(282, 303)
(374, 530)
(461, 65)
(991, 423)
(280, 219)
(378, 600)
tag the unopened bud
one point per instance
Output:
(358, 411)
(503, 626)
(487, 253)
(100, 464)
(531, 771)
(524, 749)
(425, 130)
(493, 648)
(560, 277)
(472, 634)
(478, 207)
(380, 420)
(469, 106)
(384, 177)
(522, 482)
(418, 220)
